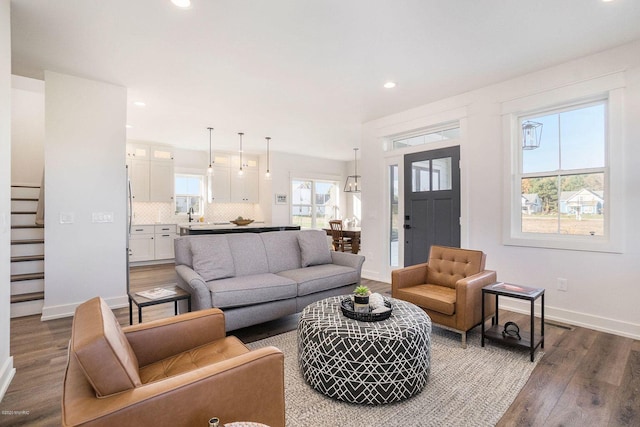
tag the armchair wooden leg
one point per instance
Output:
(464, 339)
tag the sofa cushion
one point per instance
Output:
(431, 297)
(211, 257)
(319, 278)
(102, 350)
(249, 254)
(253, 289)
(283, 250)
(314, 249)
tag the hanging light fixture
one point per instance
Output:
(210, 168)
(267, 175)
(241, 171)
(352, 185)
(531, 134)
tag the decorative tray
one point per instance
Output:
(347, 309)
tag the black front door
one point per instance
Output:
(432, 202)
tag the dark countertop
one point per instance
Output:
(197, 228)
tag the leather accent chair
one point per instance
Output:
(448, 288)
(179, 371)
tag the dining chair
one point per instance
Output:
(340, 243)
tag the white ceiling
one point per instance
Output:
(307, 73)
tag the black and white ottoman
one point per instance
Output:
(364, 362)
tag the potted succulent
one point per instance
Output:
(361, 299)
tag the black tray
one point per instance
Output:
(347, 309)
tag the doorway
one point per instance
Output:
(432, 202)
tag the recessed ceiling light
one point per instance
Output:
(128, 126)
(182, 3)
(390, 85)
(139, 104)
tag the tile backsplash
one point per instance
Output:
(159, 212)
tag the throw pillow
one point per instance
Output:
(211, 257)
(314, 249)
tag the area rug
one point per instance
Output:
(466, 387)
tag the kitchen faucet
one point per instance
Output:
(189, 213)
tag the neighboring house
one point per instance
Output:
(531, 204)
(581, 202)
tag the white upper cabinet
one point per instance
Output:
(151, 173)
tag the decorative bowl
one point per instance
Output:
(241, 221)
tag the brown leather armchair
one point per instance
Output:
(179, 371)
(448, 288)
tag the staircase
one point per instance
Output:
(27, 252)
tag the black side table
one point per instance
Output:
(141, 301)
(520, 292)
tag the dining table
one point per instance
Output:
(352, 233)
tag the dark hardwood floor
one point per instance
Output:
(586, 378)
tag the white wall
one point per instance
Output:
(27, 131)
(7, 370)
(603, 291)
(85, 173)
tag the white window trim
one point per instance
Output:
(304, 176)
(613, 241)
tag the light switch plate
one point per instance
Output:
(67, 217)
(102, 217)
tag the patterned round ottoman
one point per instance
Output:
(364, 362)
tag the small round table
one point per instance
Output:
(364, 362)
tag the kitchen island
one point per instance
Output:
(199, 228)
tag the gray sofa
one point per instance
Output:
(257, 277)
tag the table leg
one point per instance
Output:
(483, 320)
(189, 303)
(139, 314)
(355, 245)
(497, 310)
(130, 312)
(175, 308)
(532, 346)
(542, 323)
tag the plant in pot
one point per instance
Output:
(361, 299)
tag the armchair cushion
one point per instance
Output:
(431, 297)
(102, 350)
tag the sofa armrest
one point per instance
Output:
(193, 283)
(249, 387)
(348, 259)
(469, 292)
(408, 276)
(159, 339)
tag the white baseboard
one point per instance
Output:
(68, 310)
(598, 323)
(7, 372)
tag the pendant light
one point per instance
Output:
(352, 185)
(531, 134)
(210, 168)
(241, 171)
(267, 175)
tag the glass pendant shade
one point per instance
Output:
(353, 183)
(531, 134)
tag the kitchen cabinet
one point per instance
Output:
(152, 242)
(150, 173)
(164, 235)
(244, 189)
(221, 184)
(141, 243)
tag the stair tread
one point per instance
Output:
(27, 226)
(27, 258)
(33, 296)
(27, 276)
(27, 241)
